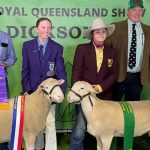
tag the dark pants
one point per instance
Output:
(3, 146)
(79, 130)
(131, 89)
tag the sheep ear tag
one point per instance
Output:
(3, 90)
(61, 81)
(4, 106)
(41, 86)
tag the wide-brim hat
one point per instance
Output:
(98, 24)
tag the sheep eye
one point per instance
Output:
(82, 88)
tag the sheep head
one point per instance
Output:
(79, 90)
(51, 87)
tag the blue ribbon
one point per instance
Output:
(13, 123)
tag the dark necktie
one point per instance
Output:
(132, 54)
(41, 53)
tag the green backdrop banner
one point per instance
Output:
(69, 18)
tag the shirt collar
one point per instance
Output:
(44, 43)
(138, 24)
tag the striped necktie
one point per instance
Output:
(41, 53)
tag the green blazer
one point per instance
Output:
(119, 41)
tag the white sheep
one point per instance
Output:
(36, 111)
(105, 119)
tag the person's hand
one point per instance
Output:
(3, 64)
(25, 93)
(95, 87)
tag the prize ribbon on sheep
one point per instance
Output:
(3, 90)
(129, 124)
(17, 123)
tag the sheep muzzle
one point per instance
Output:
(81, 97)
(50, 92)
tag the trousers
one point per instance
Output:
(130, 88)
(50, 134)
(79, 130)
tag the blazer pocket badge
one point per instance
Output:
(51, 69)
(110, 62)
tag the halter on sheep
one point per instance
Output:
(55, 96)
(105, 118)
(36, 111)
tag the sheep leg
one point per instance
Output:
(99, 143)
(106, 142)
(29, 142)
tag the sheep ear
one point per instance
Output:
(61, 81)
(89, 87)
(41, 86)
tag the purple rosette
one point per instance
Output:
(3, 89)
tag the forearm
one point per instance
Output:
(10, 61)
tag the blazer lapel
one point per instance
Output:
(145, 42)
(92, 55)
(125, 27)
(48, 53)
(35, 53)
(104, 62)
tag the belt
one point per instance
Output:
(133, 73)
